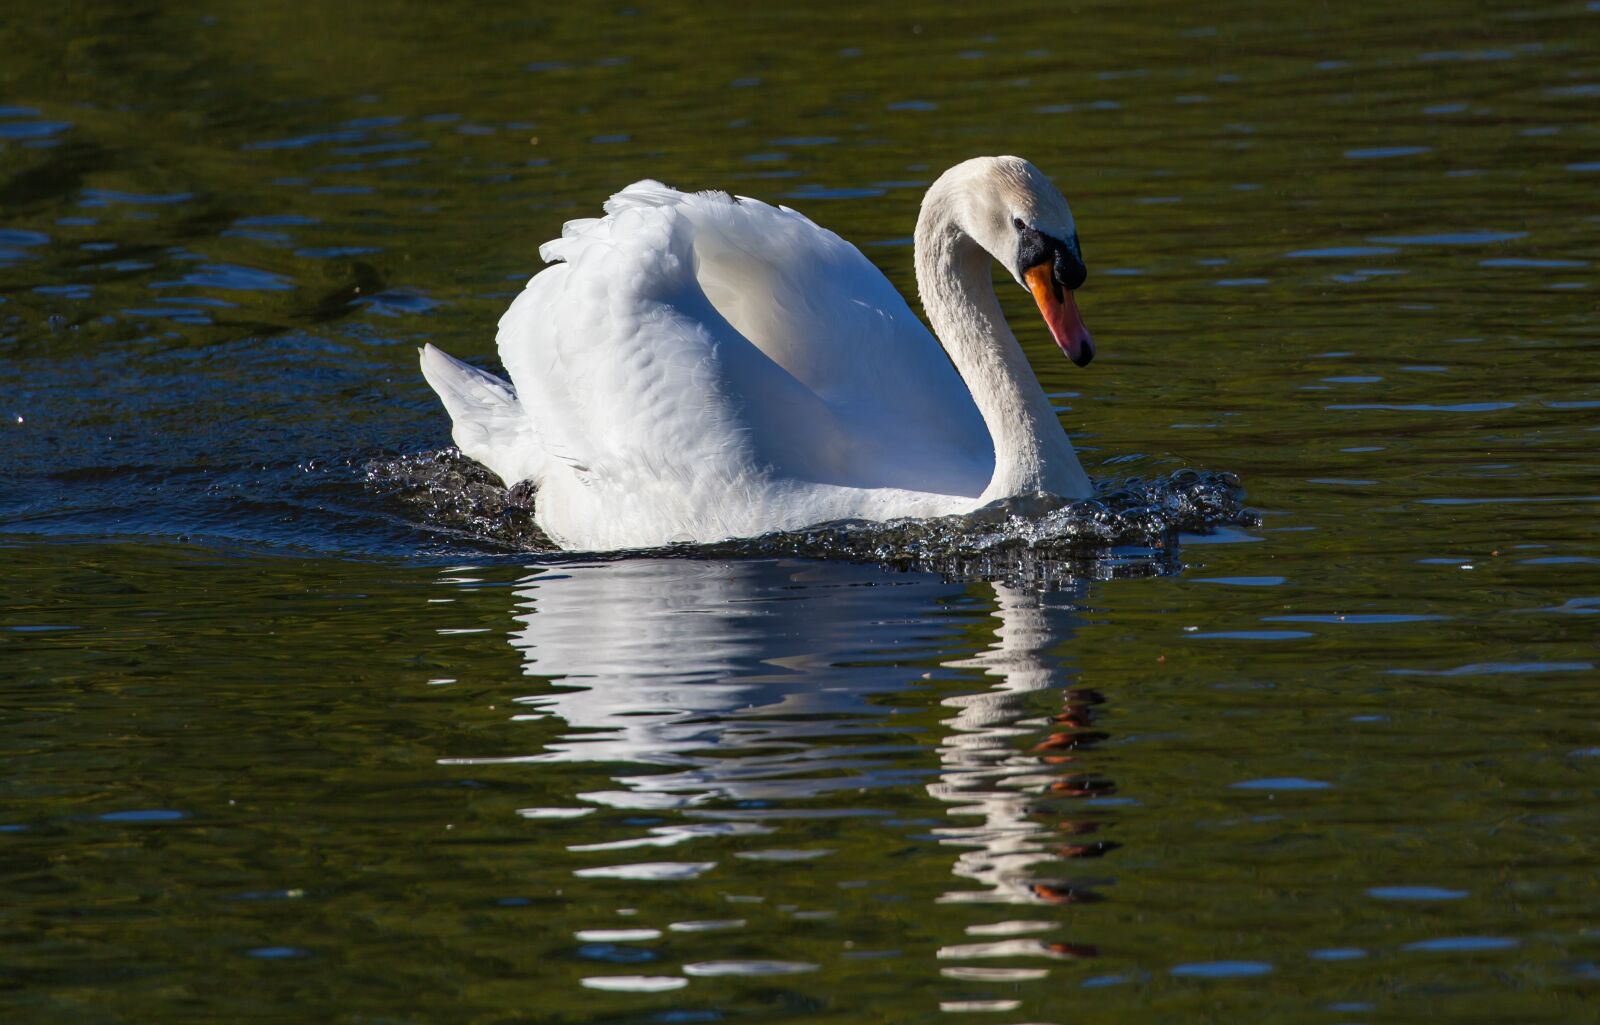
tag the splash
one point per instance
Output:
(1131, 527)
(460, 498)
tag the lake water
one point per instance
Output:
(283, 743)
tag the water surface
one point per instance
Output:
(284, 745)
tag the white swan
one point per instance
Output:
(697, 367)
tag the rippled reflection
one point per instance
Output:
(986, 775)
(730, 698)
(716, 672)
(991, 780)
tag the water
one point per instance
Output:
(1128, 525)
(291, 738)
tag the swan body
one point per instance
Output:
(695, 367)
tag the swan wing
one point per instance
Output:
(802, 297)
(817, 307)
(648, 406)
(695, 365)
(487, 421)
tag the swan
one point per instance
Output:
(694, 367)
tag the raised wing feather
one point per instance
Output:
(487, 422)
(741, 338)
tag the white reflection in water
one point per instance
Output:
(991, 776)
(729, 673)
(753, 682)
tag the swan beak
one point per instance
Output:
(1060, 312)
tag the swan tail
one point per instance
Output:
(489, 424)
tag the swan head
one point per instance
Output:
(1008, 206)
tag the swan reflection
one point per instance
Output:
(730, 674)
(987, 776)
(738, 692)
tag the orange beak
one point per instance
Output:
(1060, 312)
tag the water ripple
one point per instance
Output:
(1222, 970)
(753, 967)
(1131, 527)
(663, 871)
(634, 983)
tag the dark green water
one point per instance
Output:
(280, 746)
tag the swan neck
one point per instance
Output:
(1031, 451)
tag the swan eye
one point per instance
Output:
(1016, 222)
